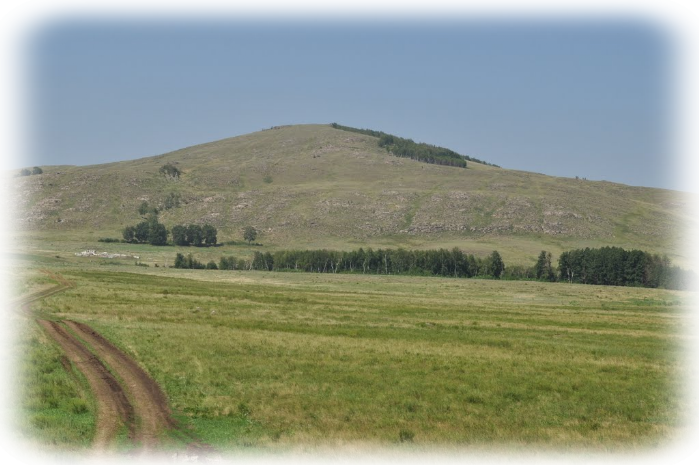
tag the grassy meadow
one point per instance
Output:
(280, 361)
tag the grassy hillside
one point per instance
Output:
(315, 186)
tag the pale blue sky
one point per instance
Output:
(563, 98)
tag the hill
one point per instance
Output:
(313, 186)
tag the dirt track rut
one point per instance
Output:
(125, 394)
(113, 406)
(149, 401)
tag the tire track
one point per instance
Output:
(128, 397)
(150, 403)
(113, 406)
(24, 303)
(131, 398)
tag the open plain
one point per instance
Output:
(280, 361)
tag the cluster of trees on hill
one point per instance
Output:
(605, 266)
(193, 234)
(615, 266)
(29, 172)
(419, 151)
(407, 148)
(153, 232)
(149, 231)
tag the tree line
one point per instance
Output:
(605, 266)
(407, 148)
(441, 262)
(615, 266)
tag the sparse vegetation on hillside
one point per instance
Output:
(146, 209)
(170, 171)
(419, 151)
(28, 172)
(172, 200)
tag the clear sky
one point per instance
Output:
(589, 99)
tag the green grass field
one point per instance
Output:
(279, 361)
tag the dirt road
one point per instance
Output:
(149, 401)
(62, 285)
(113, 406)
(126, 395)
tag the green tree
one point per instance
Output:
(258, 261)
(227, 263)
(543, 268)
(269, 261)
(249, 234)
(495, 265)
(180, 261)
(211, 265)
(195, 236)
(129, 233)
(25, 172)
(37, 170)
(157, 234)
(142, 231)
(209, 234)
(179, 235)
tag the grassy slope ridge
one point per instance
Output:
(315, 186)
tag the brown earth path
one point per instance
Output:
(113, 406)
(62, 285)
(131, 398)
(150, 403)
